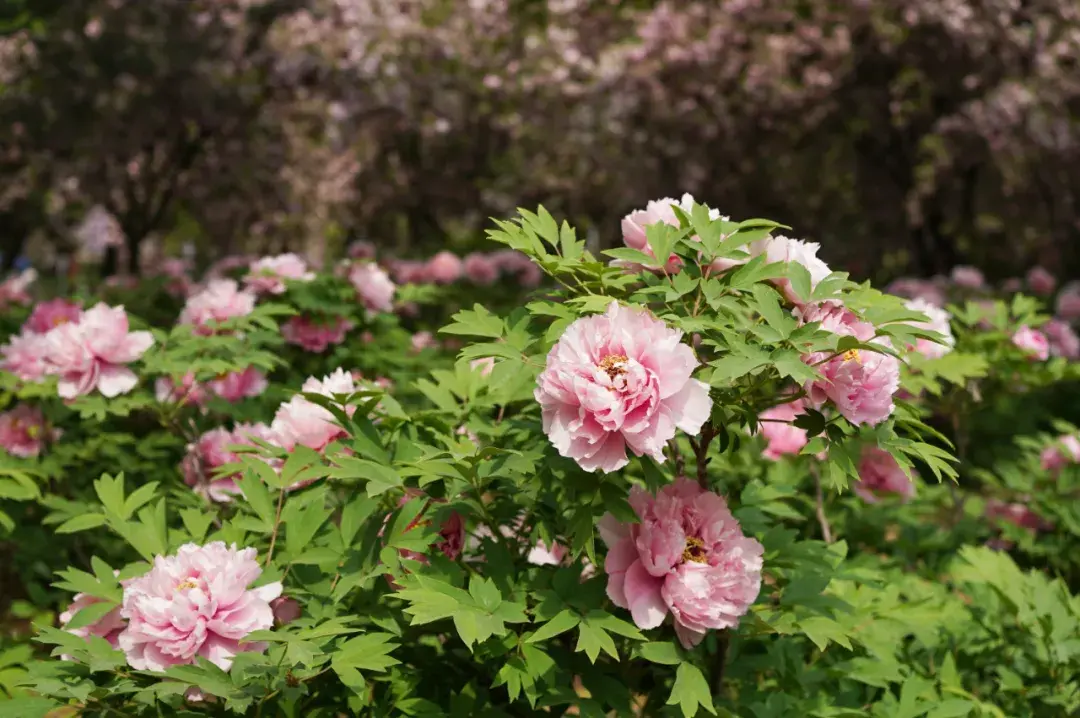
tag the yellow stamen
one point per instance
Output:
(612, 364)
(185, 584)
(852, 355)
(695, 550)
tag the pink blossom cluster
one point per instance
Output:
(211, 451)
(232, 387)
(482, 269)
(268, 275)
(88, 352)
(1062, 339)
(687, 557)
(879, 475)
(859, 383)
(782, 437)
(967, 277)
(1041, 281)
(222, 299)
(1000, 512)
(619, 380)
(299, 421)
(1032, 342)
(13, 289)
(315, 335)
(1065, 451)
(24, 431)
(1068, 302)
(938, 321)
(373, 286)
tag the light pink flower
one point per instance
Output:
(190, 392)
(861, 384)
(939, 322)
(1032, 342)
(238, 385)
(196, 603)
(13, 289)
(618, 380)
(50, 314)
(1041, 281)
(24, 356)
(511, 261)
(484, 364)
(315, 336)
(791, 251)
(780, 433)
(1064, 451)
(967, 277)
(268, 275)
(422, 340)
(480, 269)
(211, 451)
(998, 512)
(373, 286)
(108, 626)
(1068, 302)
(541, 555)
(23, 431)
(658, 211)
(444, 268)
(409, 271)
(1063, 340)
(93, 353)
(300, 421)
(880, 474)
(688, 556)
(221, 300)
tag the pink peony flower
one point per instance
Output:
(268, 275)
(361, 249)
(967, 277)
(108, 626)
(211, 451)
(791, 251)
(13, 289)
(51, 314)
(1012, 285)
(1041, 281)
(1068, 302)
(484, 364)
(422, 340)
(541, 555)
(861, 384)
(480, 269)
(781, 435)
(221, 300)
(315, 336)
(286, 610)
(616, 380)
(190, 392)
(444, 268)
(300, 421)
(373, 286)
(238, 385)
(23, 431)
(93, 353)
(658, 211)
(1032, 342)
(408, 271)
(880, 474)
(923, 289)
(688, 556)
(24, 356)
(999, 512)
(939, 322)
(1063, 340)
(1064, 451)
(511, 261)
(196, 603)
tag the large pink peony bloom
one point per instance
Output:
(481, 269)
(1041, 281)
(300, 421)
(791, 251)
(93, 353)
(50, 314)
(238, 385)
(618, 380)
(967, 277)
(24, 431)
(108, 626)
(1063, 340)
(222, 299)
(879, 474)
(1064, 451)
(315, 335)
(269, 274)
(939, 322)
(861, 384)
(688, 556)
(196, 603)
(24, 356)
(444, 268)
(1032, 342)
(211, 451)
(373, 286)
(780, 433)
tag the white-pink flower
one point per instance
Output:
(791, 251)
(301, 421)
(781, 435)
(268, 275)
(659, 211)
(1032, 342)
(94, 352)
(221, 300)
(196, 603)
(315, 335)
(211, 451)
(688, 557)
(617, 380)
(880, 474)
(860, 383)
(24, 356)
(373, 286)
(24, 431)
(938, 322)
(444, 268)
(108, 626)
(13, 290)
(967, 277)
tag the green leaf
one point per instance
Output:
(592, 639)
(690, 691)
(82, 522)
(257, 494)
(562, 622)
(478, 322)
(660, 652)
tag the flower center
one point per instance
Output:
(613, 365)
(186, 584)
(852, 355)
(695, 550)
(57, 321)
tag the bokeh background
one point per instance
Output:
(906, 136)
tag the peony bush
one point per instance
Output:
(701, 473)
